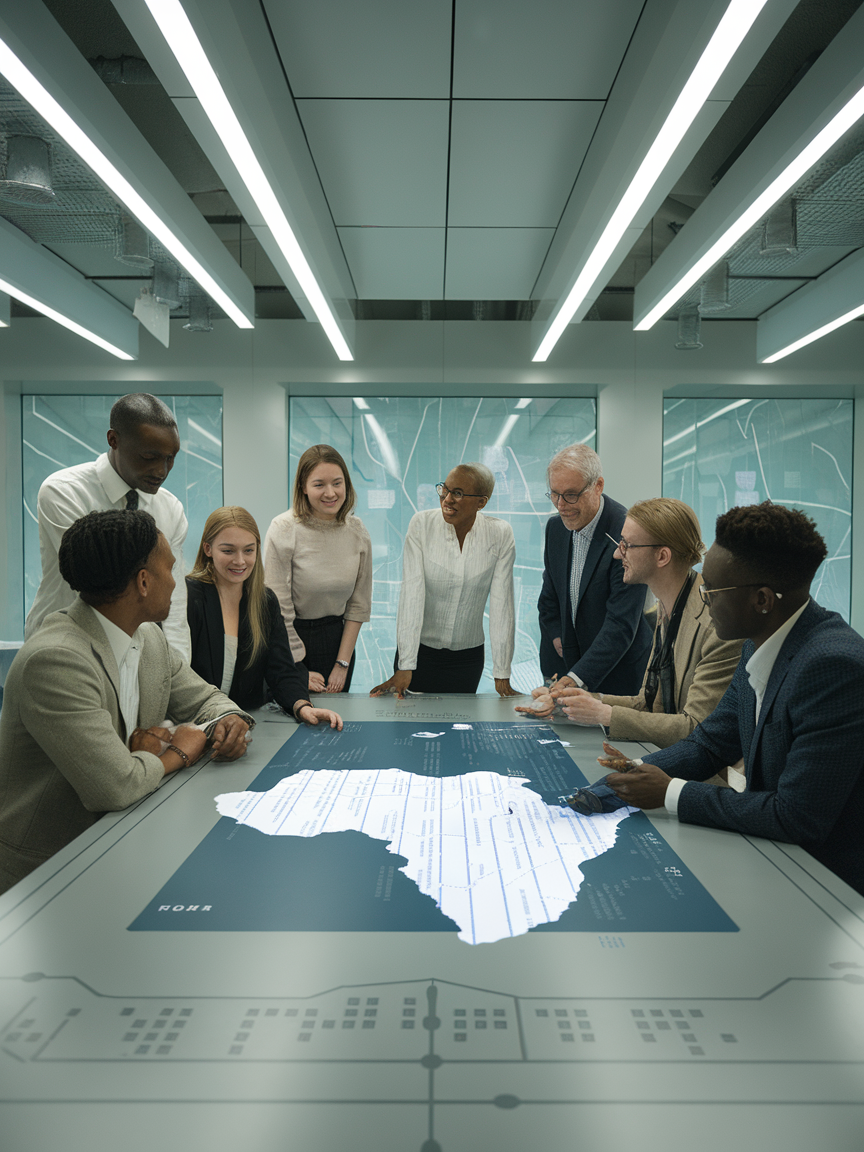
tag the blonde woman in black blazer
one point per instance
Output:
(230, 611)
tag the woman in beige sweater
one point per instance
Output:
(318, 561)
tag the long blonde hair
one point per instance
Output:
(253, 586)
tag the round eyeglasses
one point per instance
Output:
(569, 497)
(623, 547)
(456, 493)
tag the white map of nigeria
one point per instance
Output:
(492, 855)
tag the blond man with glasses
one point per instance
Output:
(690, 666)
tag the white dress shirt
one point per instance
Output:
(758, 669)
(127, 653)
(445, 589)
(95, 487)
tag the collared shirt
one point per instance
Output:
(127, 653)
(96, 487)
(445, 589)
(581, 543)
(758, 669)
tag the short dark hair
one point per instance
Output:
(778, 545)
(129, 412)
(103, 551)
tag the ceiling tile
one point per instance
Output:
(513, 162)
(494, 263)
(548, 49)
(383, 48)
(381, 162)
(395, 263)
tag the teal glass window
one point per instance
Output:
(720, 454)
(399, 448)
(59, 431)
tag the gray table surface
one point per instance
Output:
(776, 1009)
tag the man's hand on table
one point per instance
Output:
(228, 738)
(546, 697)
(312, 716)
(642, 786)
(584, 707)
(187, 738)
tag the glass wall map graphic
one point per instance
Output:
(387, 826)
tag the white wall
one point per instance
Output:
(256, 372)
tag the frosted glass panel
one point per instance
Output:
(398, 448)
(59, 431)
(718, 454)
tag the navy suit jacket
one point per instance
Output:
(804, 758)
(609, 645)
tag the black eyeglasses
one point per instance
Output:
(705, 593)
(570, 497)
(456, 493)
(623, 547)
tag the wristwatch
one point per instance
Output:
(343, 663)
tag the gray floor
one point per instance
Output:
(755, 1035)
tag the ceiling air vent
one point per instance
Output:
(28, 171)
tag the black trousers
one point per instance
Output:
(443, 670)
(322, 639)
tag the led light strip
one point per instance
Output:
(41, 100)
(817, 334)
(184, 43)
(53, 314)
(776, 190)
(728, 35)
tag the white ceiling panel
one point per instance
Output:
(494, 263)
(548, 49)
(395, 263)
(513, 162)
(379, 48)
(381, 162)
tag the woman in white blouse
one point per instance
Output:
(318, 561)
(453, 562)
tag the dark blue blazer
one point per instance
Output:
(609, 645)
(804, 758)
(275, 664)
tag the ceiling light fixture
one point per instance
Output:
(779, 187)
(727, 38)
(59, 318)
(181, 38)
(41, 100)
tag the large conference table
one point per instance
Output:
(742, 1033)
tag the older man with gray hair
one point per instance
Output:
(593, 632)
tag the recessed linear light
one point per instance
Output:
(53, 314)
(817, 334)
(727, 38)
(524, 402)
(795, 171)
(41, 100)
(181, 38)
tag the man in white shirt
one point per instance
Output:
(142, 444)
(84, 697)
(793, 709)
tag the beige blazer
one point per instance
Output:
(63, 754)
(704, 665)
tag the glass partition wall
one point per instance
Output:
(719, 454)
(399, 448)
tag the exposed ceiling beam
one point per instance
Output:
(605, 215)
(43, 281)
(237, 43)
(823, 106)
(41, 62)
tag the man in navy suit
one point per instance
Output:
(794, 709)
(593, 632)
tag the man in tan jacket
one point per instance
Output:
(79, 731)
(689, 668)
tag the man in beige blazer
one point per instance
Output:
(85, 694)
(689, 668)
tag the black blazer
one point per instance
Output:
(608, 648)
(275, 664)
(804, 757)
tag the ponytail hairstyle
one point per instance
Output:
(254, 590)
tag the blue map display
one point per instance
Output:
(238, 880)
